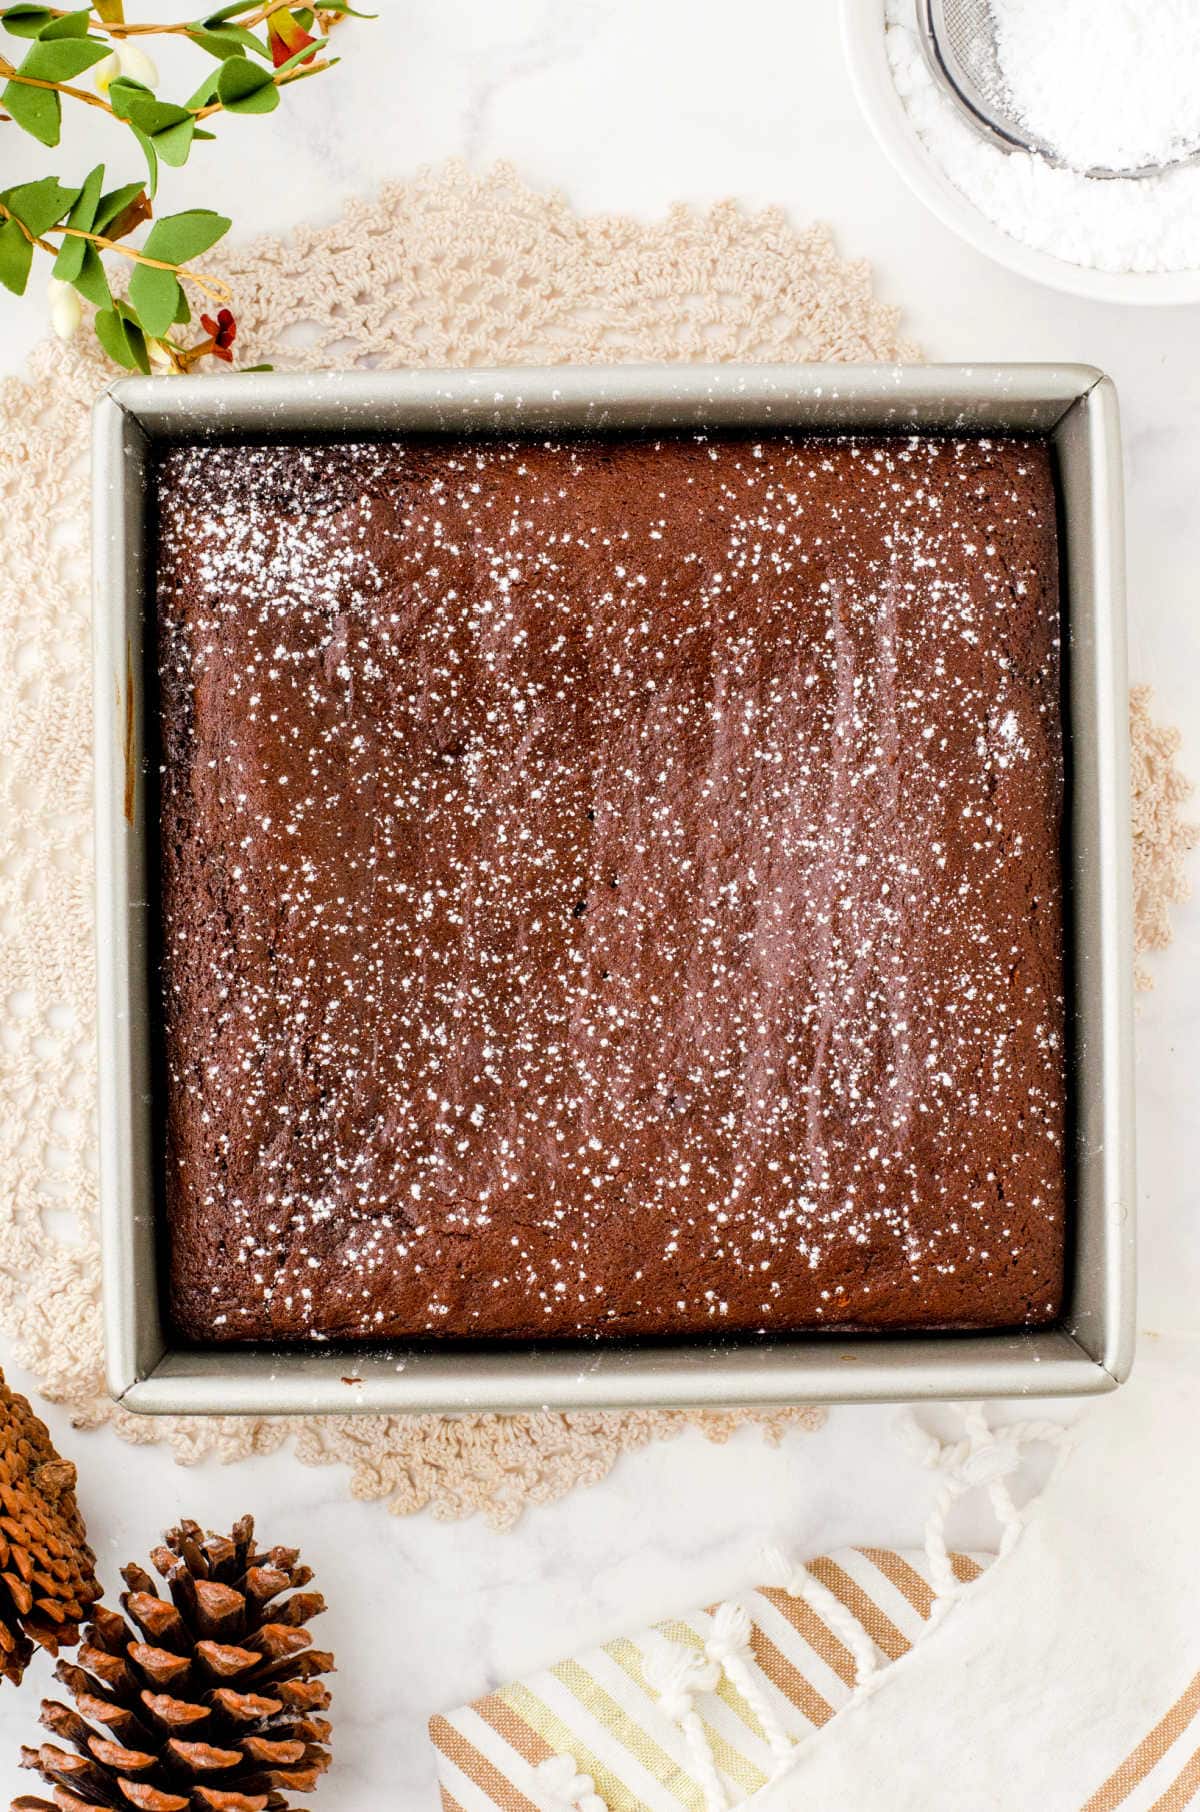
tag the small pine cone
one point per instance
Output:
(47, 1570)
(211, 1702)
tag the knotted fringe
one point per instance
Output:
(677, 1674)
(794, 1578)
(561, 1788)
(729, 1646)
(985, 1459)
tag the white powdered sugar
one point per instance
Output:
(1108, 84)
(1088, 77)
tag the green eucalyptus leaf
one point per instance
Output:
(227, 41)
(114, 203)
(183, 313)
(37, 111)
(110, 331)
(16, 256)
(69, 262)
(173, 143)
(214, 42)
(217, 43)
(40, 204)
(123, 92)
(26, 21)
(136, 334)
(177, 238)
(151, 156)
(69, 25)
(151, 115)
(260, 100)
(242, 87)
(91, 280)
(170, 129)
(297, 57)
(156, 295)
(122, 339)
(207, 90)
(83, 215)
(224, 13)
(62, 59)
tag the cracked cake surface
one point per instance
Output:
(611, 887)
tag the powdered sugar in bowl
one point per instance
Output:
(1131, 239)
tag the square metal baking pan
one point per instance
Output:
(1090, 1351)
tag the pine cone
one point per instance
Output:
(212, 1706)
(47, 1570)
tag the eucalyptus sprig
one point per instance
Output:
(256, 52)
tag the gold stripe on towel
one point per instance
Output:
(1183, 1788)
(567, 1741)
(1149, 1752)
(478, 1770)
(880, 1628)
(514, 1730)
(816, 1633)
(621, 1727)
(788, 1679)
(904, 1577)
(725, 1690)
(449, 1803)
(965, 1569)
(628, 1657)
(728, 1757)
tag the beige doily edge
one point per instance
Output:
(1162, 837)
(452, 268)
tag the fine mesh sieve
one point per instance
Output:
(959, 40)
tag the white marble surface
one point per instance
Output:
(628, 105)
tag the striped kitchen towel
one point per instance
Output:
(1068, 1678)
(699, 1713)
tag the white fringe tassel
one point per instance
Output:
(796, 1580)
(677, 1674)
(729, 1646)
(985, 1459)
(562, 1788)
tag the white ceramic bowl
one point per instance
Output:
(866, 53)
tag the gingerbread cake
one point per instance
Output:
(610, 887)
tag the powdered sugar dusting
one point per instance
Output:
(611, 888)
(1146, 223)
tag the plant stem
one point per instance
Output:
(121, 28)
(129, 28)
(281, 81)
(118, 28)
(185, 357)
(210, 286)
(77, 94)
(8, 73)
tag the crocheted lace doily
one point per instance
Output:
(452, 269)
(1161, 837)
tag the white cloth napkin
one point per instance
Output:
(1068, 1679)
